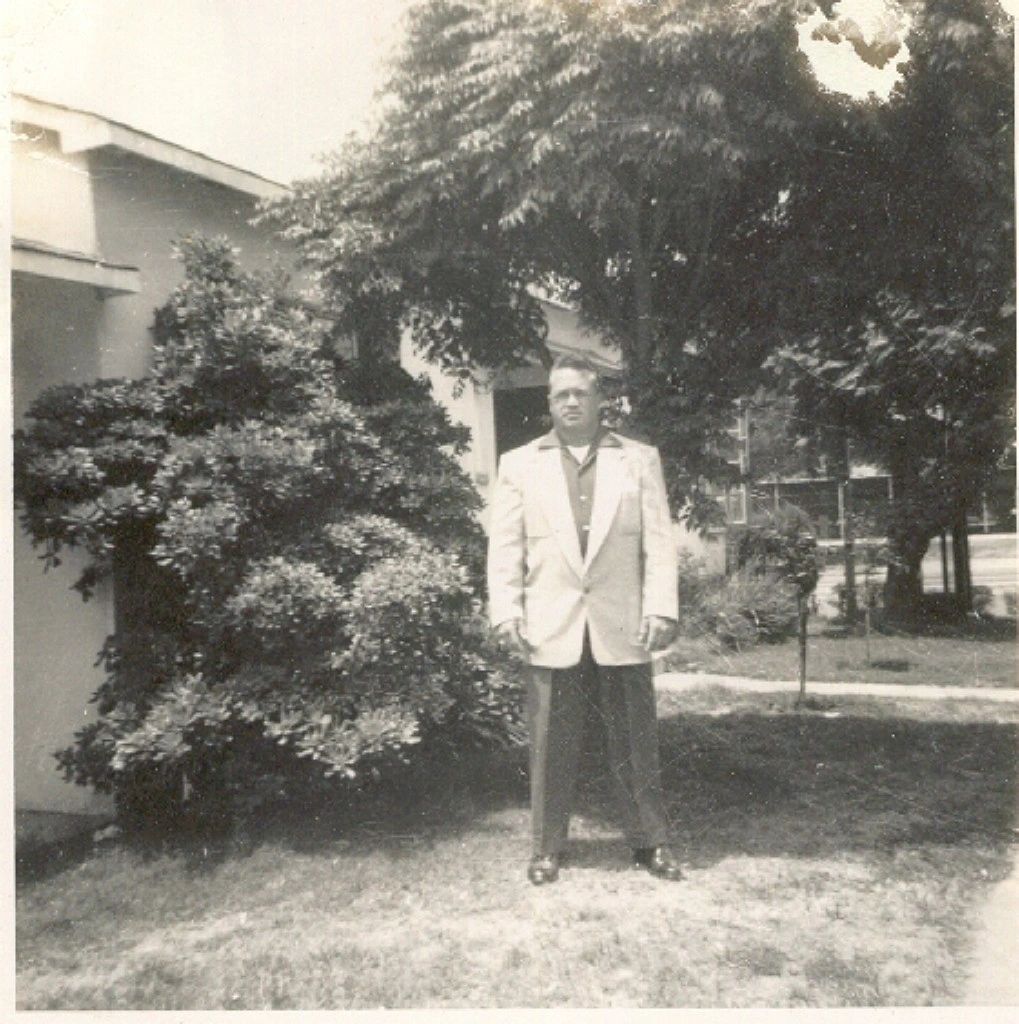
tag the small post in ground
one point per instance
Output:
(801, 610)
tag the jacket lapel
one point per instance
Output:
(608, 489)
(555, 501)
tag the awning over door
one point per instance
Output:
(42, 260)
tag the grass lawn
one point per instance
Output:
(835, 858)
(983, 654)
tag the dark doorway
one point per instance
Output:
(521, 415)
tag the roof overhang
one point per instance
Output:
(606, 364)
(80, 131)
(74, 267)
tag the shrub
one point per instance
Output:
(738, 610)
(695, 587)
(869, 594)
(783, 543)
(295, 551)
(983, 598)
(768, 600)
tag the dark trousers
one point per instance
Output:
(559, 701)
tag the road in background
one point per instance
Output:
(994, 563)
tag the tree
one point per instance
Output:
(912, 344)
(296, 603)
(675, 171)
(784, 543)
(604, 153)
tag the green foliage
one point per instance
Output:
(609, 155)
(736, 611)
(753, 607)
(295, 552)
(907, 225)
(674, 170)
(783, 543)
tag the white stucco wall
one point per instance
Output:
(52, 192)
(470, 406)
(56, 634)
(141, 207)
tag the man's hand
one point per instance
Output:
(657, 633)
(510, 636)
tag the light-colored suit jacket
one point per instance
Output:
(535, 569)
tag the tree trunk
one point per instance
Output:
(644, 333)
(960, 560)
(848, 533)
(643, 294)
(903, 591)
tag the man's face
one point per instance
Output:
(575, 403)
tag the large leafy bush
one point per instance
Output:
(294, 548)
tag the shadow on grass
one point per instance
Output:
(440, 796)
(980, 629)
(759, 784)
(749, 782)
(976, 629)
(39, 861)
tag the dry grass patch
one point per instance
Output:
(832, 862)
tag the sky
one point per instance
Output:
(270, 84)
(835, 62)
(264, 84)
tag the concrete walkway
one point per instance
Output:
(689, 680)
(994, 980)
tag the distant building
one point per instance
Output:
(95, 207)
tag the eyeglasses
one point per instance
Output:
(564, 396)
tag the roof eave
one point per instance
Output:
(80, 131)
(39, 260)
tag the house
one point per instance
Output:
(95, 207)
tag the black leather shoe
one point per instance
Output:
(658, 861)
(543, 869)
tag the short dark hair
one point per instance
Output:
(577, 361)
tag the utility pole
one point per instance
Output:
(848, 536)
(738, 511)
(743, 442)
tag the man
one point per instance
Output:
(582, 584)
